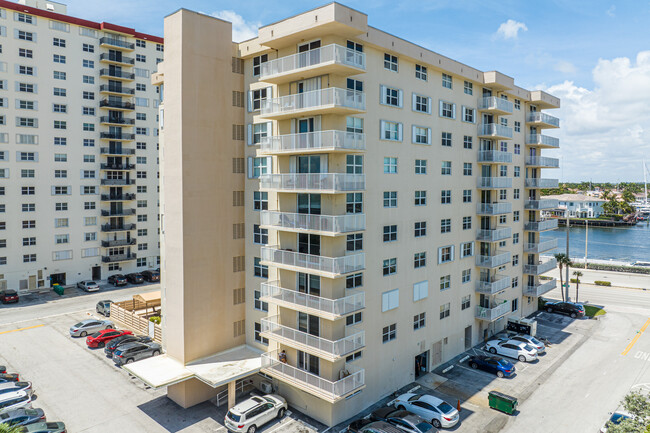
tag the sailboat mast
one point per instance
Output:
(645, 183)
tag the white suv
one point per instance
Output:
(512, 349)
(14, 400)
(251, 414)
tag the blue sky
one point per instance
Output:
(589, 53)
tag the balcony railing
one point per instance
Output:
(330, 391)
(540, 226)
(329, 54)
(493, 103)
(117, 104)
(117, 197)
(333, 266)
(116, 43)
(541, 267)
(320, 182)
(105, 166)
(319, 141)
(115, 213)
(330, 97)
(117, 182)
(494, 130)
(494, 182)
(110, 57)
(117, 121)
(540, 247)
(491, 314)
(496, 284)
(118, 258)
(116, 74)
(116, 136)
(542, 161)
(328, 349)
(116, 89)
(542, 140)
(537, 117)
(117, 151)
(499, 258)
(118, 228)
(495, 156)
(548, 203)
(540, 289)
(118, 243)
(493, 208)
(541, 183)
(308, 222)
(329, 308)
(494, 235)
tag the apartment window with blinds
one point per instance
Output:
(389, 300)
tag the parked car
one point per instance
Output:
(124, 339)
(151, 276)
(14, 400)
(428, 407)
(135, 351)
(117, 280)
(3, 369)
(9, 377)
(8, 296)
(90, 326)
(88, 286)
(104, 307)
(492, 364)
(569, 308)
(356, 425)
(22, 416)
(135, 278)
(380, 427)
(402, 419)
(512, 349)
(616, 418)
(529, 339)
(251, 414)
(44, 427)
(8, 387)
(100, 338)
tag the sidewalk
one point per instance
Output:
(618, 279)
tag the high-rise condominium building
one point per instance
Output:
(343, 210)
(78, 147)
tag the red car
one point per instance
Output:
(8, 296)
(99, 339)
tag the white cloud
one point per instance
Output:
(241, 29)
(605, 131)
(611, 11)
(510, 29)
(565, 67)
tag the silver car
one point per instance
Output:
(529, 339)
(88, 286)
(90, 326)
(14, 400)
(8, 387)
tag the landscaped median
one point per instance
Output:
(591, 311)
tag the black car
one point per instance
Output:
(22, 416)
(8, 296)
(135, 351)
(135, 278)
(355, 426)
(117, 280)
(151, 276)
(9, 377)
(121, 340)
(569, 308)
(402, 419)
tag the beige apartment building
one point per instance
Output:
(78, 147)
(343, 210)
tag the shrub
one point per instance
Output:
(617, 268)
(603, 283)
(155, 319)
(574, 280)
(544, 277)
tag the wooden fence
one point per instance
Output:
(131, 319)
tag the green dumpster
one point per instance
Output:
(58, 289)
(504, 403)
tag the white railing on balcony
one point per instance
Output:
(547, 203)
(272, 292)
(494, 103)
(322, 223)
(493, 208)
(540, 247)
(541, 267)
(354, 378)
(494, 156)
(331, 96)
(493, 235)
(537, 117)
(494, 182)
(494, 130)
(540, 289)
(325, 182)
(542, 140)
(332, 265)
(318, 140)
(496, 284)
(543, 161)
(541, 183)
(502, 308)
(328, 54)
(492, 261)
(539, 226)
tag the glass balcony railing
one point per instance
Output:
(501, 308)
(494, 285)
(493, 103)
(319, 141)
(541, 183)
(548, 203)
(494, 156)
(331, 224)
(327, 55)
(494, 235)
(493, 208)
(114, 42)
(540, 226)
(330, 308)
(540, 247)
(118, 258)
(542, 140)
(494, 130)
(494, 182)
(541, 288)
(540, 268)
(331, 97)
(320, 182)
(543, 118)
(542, 161)
(334, 266)
(498, 258)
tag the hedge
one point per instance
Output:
(603, 283)
(616, 268)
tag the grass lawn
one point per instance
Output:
(592, 311)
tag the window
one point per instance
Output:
(141, 160)
(421, 72)
(57, 42)
(354, 281)
(140, 145)
(468, 88)
(421, 104)
(445, 282)
(517, 171)
(517, 104)
(142, 131)
(88, 127)
(61, 239)
(354, 164)
(58, 91)
(87, 79)
(502, 219)
(29, 224)
(420, 166)
(141, 174)
(60, 174)
(467, 196)
(26, 105)
(389, 333)
(354, 242)
(467, 169)
(503, 194)
(515, 282)
(466, 276)
(89, 205)
(258, 336)
(259, 131)
(259, 166)
(58, 58)
(515, 260)
(419, 260)
(88, 63)
(389, 266)
(419, 321)
(260, 270)
(421, 135)
(390, 198)
(29, 207)
(354, 202)
(390, 62)
(257, 63)
(445, 254)
(140, 43)
(29, 242)
(447, 110)
(447, 81)
(29, 258)
(445, 138)
(139, 203)
(466, 249)
(27, 88)
(390, 233)
(391, 96)
(467, 223)
(517, 149)
(391, 130)
(257, 97)
(445, 225)
(58, 75)
(515, 216)
(515, 304)
(61, 206)
(445, 196)
(465, 302)
(140, 58)
(467, 142)
(389, 300)
(27, 156)
(446, 168)
(88, 111)
(28, 190)
(469, 115)
(88, 48)
(354, 124)
(390, 165)
(142, 261)
(515, 238)
(89, 158)
(159, 47)
(25, 70)
(517, 126)
(515, 194)
(354, 356)
(420, 229)
(142, 218)
(260, 200)
(258, 304)
(504, 146)
(444, 310)
(28, 122)
(60, 108)
(420, 198)
(25, 36)
(23, 52)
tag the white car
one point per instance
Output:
(430, 408)
(9, 387)
(529, 339)
(14, 400)
(88, 286)
(249, 415)
(512, 349)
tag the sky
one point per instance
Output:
(594, 55)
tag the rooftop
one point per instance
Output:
(574, 197)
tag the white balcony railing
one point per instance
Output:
(494, 235)
(542, 140)
(494, 103)
(315, 99)
(494, 182)
(493, 208)
(494, 130)
(540, 226)
(325, 141)
(540, 289)
(491, 314)
(537, 117)
(541, 267)
(330, 265)
(496, 284)
(540, 247)
(321, 223)
(547, 203)
(493, 260)
(495, 156)
(333, 53)
(322, 182)
(273, 293)
(542, 161)
(541, 183)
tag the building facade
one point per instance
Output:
(391, 207)
(578, 205)
(78, 147)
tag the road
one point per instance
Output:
(616, 299)
(620, 279)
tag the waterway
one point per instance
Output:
(626, 244)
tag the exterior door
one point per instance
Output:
(468, 337)
(309, 204)
(309, 284)
(309, 54)
(97, 273)
(308, 363)
(32, 282)
(309, 324)
(436, 357)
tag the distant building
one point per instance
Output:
(578, 205)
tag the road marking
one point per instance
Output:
(46, 317)
(21, 329)
(636, 337)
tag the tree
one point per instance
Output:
(5, 428)
(578, 274)
(638, 405)
(628, 196)
(562, 260)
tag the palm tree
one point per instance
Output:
(627, 196)
(4, 428)
(561, 261)
(578, 274)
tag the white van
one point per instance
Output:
(14, 400)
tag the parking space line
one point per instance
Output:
(22, 329)
(636, 338)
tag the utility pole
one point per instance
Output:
(568, 224)
(586, 240)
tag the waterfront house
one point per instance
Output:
(578, 206)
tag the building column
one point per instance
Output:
(232, 392)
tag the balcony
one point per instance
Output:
(118, 243)
(548, 203)
(542, 120)
(330, 267)
(319, 141)
(321, 347)
(494, 131)
(328, 225)
(540, 289)
(330, 59)
(494, 182)
(543, 141)
(494, 105)
(116, 105)
(499, 258)
(117, 197)
(494, 285)
(493, 208)
(118, 227)
(116, 136)
(501, 308)
(116, 213)
(542, 161)
(494, 235)
(330, 309)
(117, 167)
(116, 151)
(118, 258)
(540, 247)
(540, 268)
(324, 101)
(494, 157)
(540, 226)
(116, 59)
(116, 182)
(324, 183)
(541, 183)
(116, 75)
(116, 43)
(116, 90)
(330, 391)
(106, 120)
